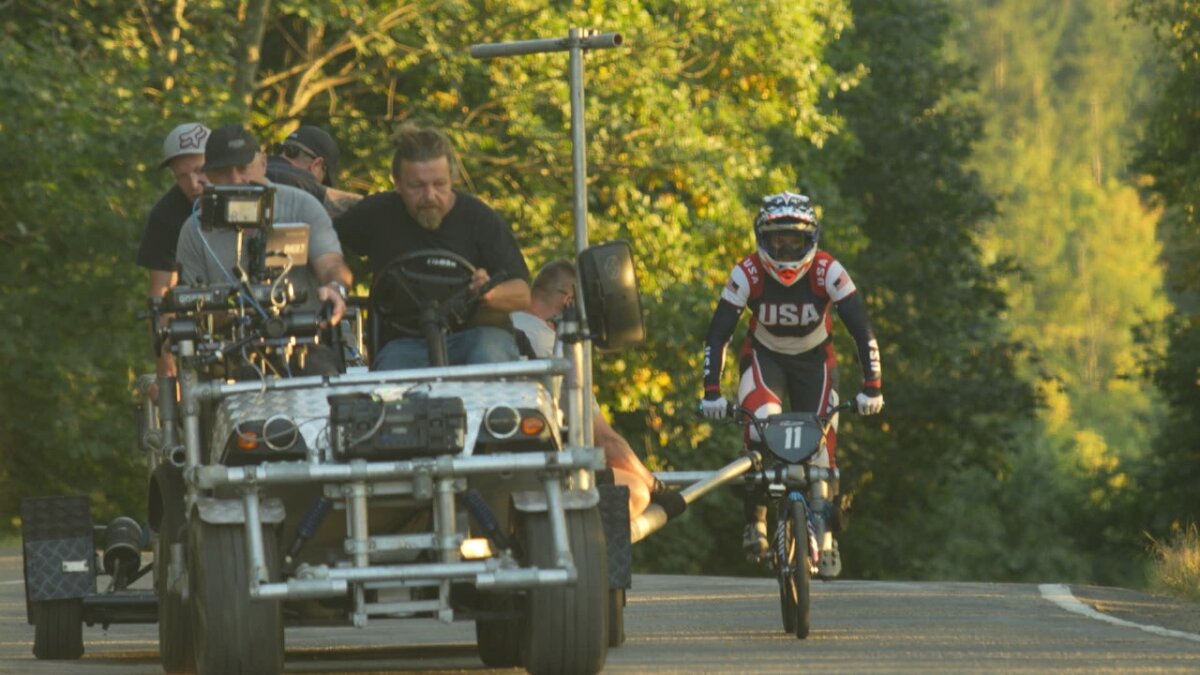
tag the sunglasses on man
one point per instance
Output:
(294, 150)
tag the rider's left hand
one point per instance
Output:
(869, 405)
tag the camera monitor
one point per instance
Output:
(238, 207)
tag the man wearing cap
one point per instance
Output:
(308, 160)
(183, 154)
(232, 157)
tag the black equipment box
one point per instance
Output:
(362, 426)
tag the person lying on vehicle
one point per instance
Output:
(554, 289)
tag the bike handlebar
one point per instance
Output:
(734, 411)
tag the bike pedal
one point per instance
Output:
(829, 566)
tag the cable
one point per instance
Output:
(282, 302)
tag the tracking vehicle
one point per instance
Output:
(456, 492)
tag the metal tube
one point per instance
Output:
(459, 570)
(168, 411)
(578, 143)
(572, 384)
(579, 196)
(303, 472)
(298, 589)
(722, 476)
(532, 368)
(444, 520)
(654, 517)
(523, 578)
(558, 526)
(357, 506)
(521, 47)
(254, 541)
(188, 390)
(682, 477)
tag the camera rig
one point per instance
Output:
(256, 314)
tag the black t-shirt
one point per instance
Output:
(380, 228)
(157, 250)
(279, 170)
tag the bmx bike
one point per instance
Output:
(803, 499)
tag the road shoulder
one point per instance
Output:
(1142, 608)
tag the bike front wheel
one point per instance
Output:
(793, 566)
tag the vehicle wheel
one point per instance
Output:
(566, 627)
(794, 569)
(58, 629)
(499, 640)
(174, 625)
(231, 633)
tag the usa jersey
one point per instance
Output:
(790, 320)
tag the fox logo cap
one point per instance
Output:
(185, 139)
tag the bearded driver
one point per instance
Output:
(424, 211)
(789, 286)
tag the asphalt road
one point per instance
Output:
(731, 625)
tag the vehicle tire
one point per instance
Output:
(58, 629)
(616, 617)
(565, 628)
(794, 569)
(174, 623)
(499, 640)
(231, 634)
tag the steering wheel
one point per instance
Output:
(419, 281)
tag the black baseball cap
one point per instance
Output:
(316, 142)
(230, 145)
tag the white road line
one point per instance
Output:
(1061, 595)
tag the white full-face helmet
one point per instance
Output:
(787, 231)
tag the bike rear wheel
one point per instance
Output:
(793, 566)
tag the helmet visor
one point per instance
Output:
(787, 245)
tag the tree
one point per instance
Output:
(1168, 155)
(930, 473)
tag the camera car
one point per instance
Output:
(456, 492)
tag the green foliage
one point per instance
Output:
(1168, 154)
(1063, 84)
(930, 473)
(84, 109)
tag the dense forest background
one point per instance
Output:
(1012, 185)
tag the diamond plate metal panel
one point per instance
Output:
(57, 517)
(57, 535)
(46, 560)
(614, 514)
(309, 408)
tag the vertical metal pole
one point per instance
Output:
(256, 555)
(579, 165)
(578, 141)
(190, 405)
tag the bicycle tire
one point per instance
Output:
(793, 567)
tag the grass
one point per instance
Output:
(1176, 566)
